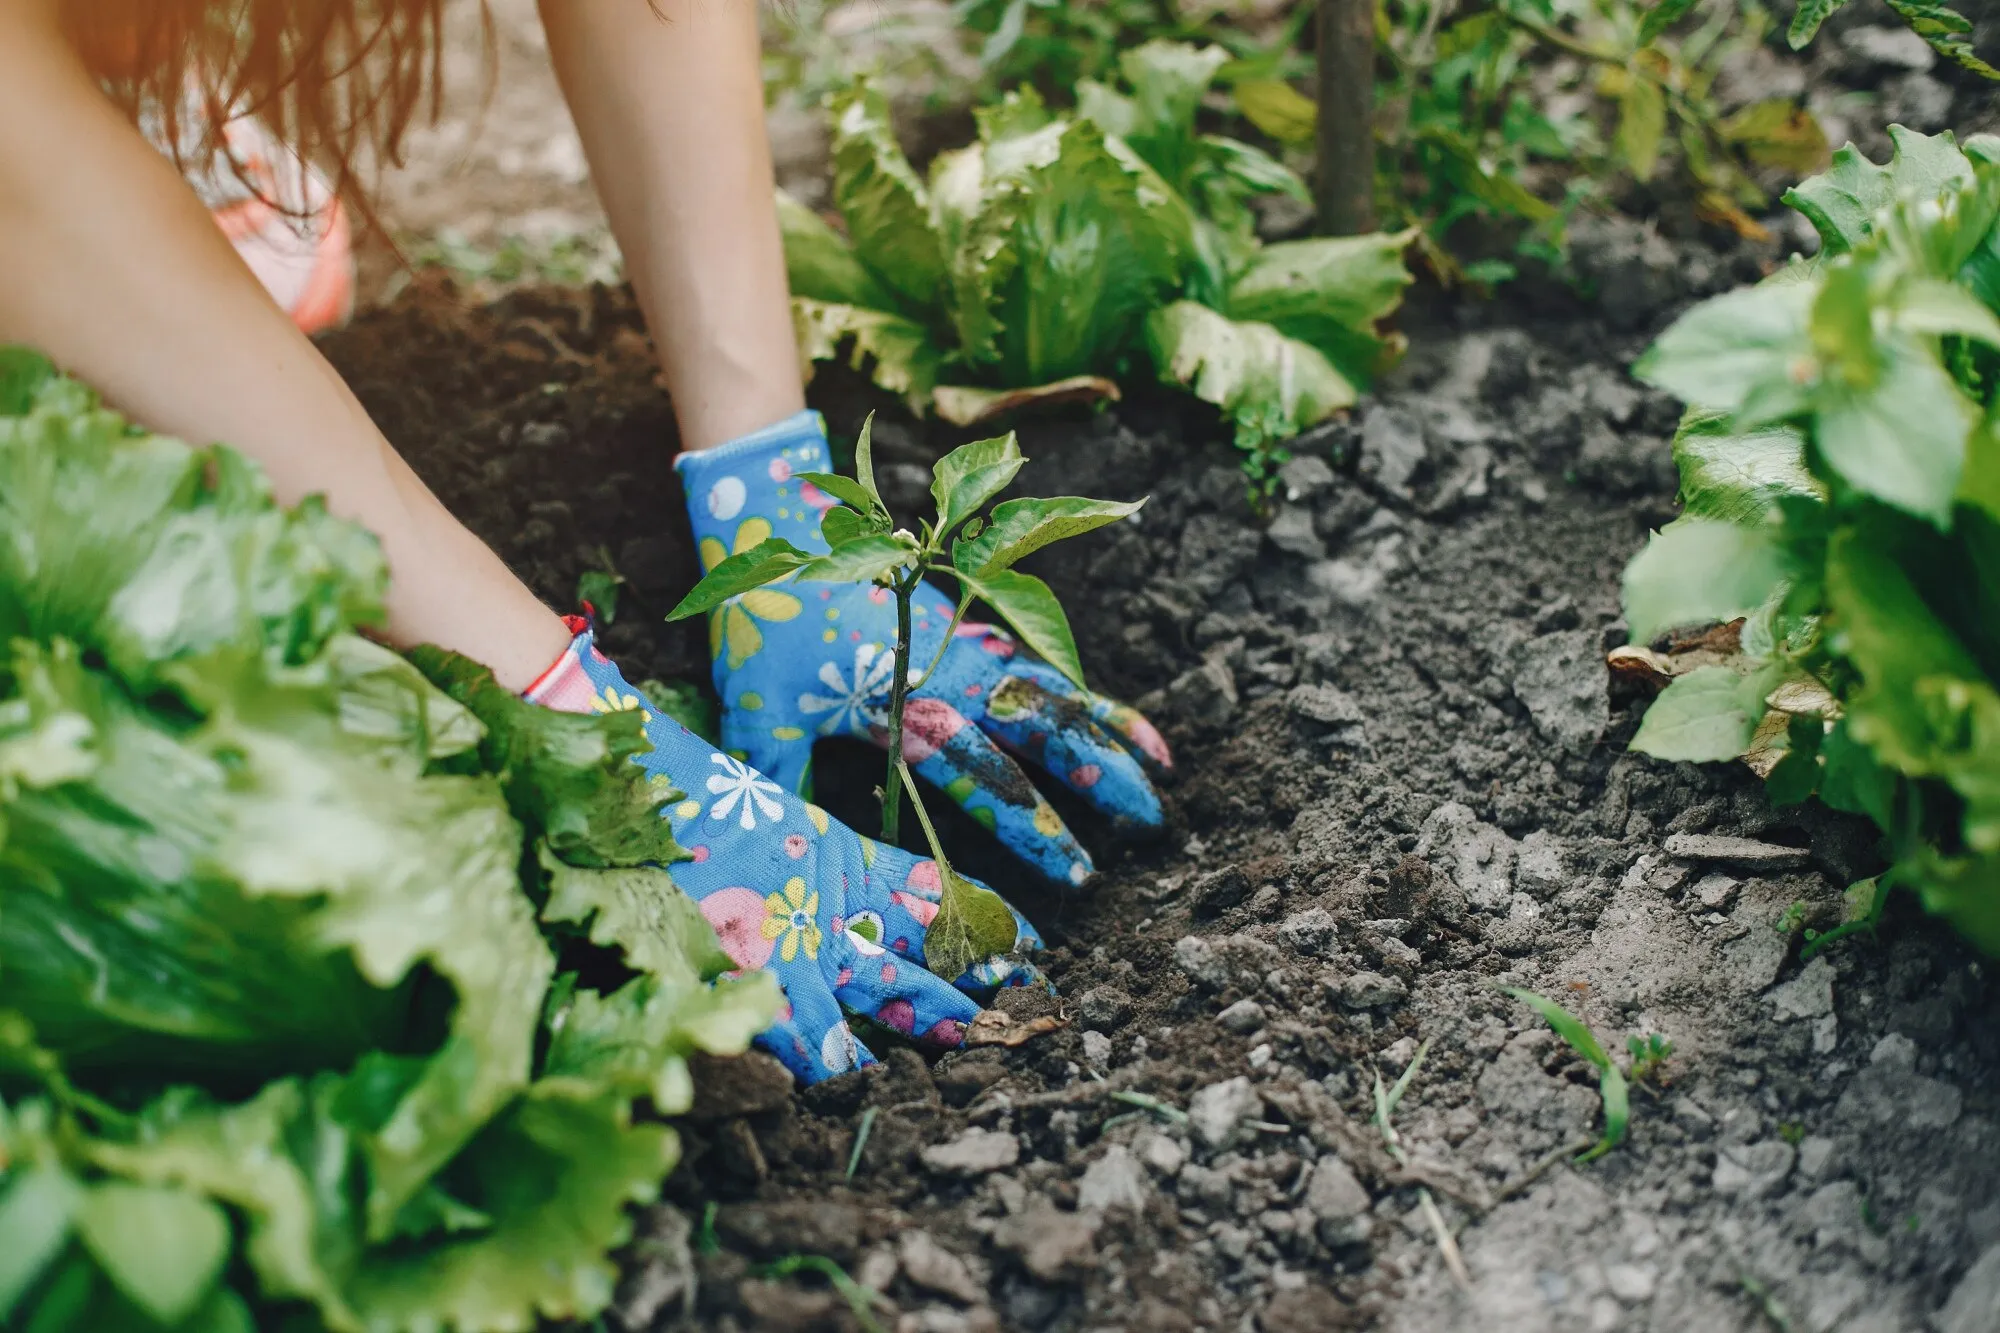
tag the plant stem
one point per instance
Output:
(958, 614)
(899, 691)
(924, 819)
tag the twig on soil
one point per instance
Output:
(1539, 1169)
(1385, 1108)
(861, 1140)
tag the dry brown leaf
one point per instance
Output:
(963, 406)
(996, 1027)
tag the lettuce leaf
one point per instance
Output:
(1271, 386)
(884, 202)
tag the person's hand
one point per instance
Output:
(839, 919)
(798, 661)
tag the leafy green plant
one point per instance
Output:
(1647, 1056)
(1059, 254)
(362, 962)
(1840, 485)
(1611, 1085)
(964, 541)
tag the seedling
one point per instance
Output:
(1650, 1054)
(598, 588)
(860, 1300)
(1386, 1101)
(1610, 1079)
(966, 542)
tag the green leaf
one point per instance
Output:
(1934, 308)
(899, 354)
(1241, 171)
(1945, 30)
(598, 589)
(1901, 439)
(1663, 15)
(1168, 80)
(636, 910)
(1032, 611)
(1747, 347)
(864, 462)
(1019, 528)
(767, 562)
(965, 479)
(688, 704)
(1698, 571)
(972, 924)
(1777, 132)
(1277, 109)
(23, 372)
(163, 1247)
(1806, 20)
(1704, 717)
(637, 1040)
(821, 265)
(1270, 385)
(1610, 1081)
(1642, 123)
(862, 560)
(886, 207)
(1328, 292)
(1843, 201)
(840, 525)
(852, 493)
(1739, 476)
(38, 1204)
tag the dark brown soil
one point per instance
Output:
(1403, 785)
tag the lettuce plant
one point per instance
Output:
(331, 979)
(1840, 483)
(1059, 254)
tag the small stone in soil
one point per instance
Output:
(965, 1077)
(1716, 892)
(1162, 1155)
(1242, 1018)
(1050, 1244)
(1218, 1110)
(1097, 1050)
(1104, 1007)
(933, 1268)
(973, 1153)
(1312, 932)
(1220, 889)
(1324, 705)
(747, 1084)
(1115, 1180)
(1369, 990)
(1746, 852)
(1205, 696)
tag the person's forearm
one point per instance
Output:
(111, 267)
(668, 98)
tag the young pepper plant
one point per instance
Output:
(970, 544)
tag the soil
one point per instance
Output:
(1402, 785)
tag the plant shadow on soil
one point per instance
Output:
(1402, 782)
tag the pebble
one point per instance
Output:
(1292, 532)
(1305, 476)
(1220, 889)
(1716, 892)
(1562, 680)
(1337, 1202)
(1206, 695)
(1097, 1050)
(1218, 1110)
(1324, 705)
(1815, 1155)
(1312, 932)
(973, 1153)
(1631, 1283)
(1242, 1018)
(1753, 1169)
(1163, 1155)
(1736, 851)
(1115, 1180)
(929, 1265)
(1051, 1244)
(1235, 960)
(1807, 995)
(1104, 1008)
(1372, 990)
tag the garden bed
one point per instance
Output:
(1402, 784)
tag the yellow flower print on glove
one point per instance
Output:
(733, 625)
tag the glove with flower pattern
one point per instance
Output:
(839, 918)
(798, 661)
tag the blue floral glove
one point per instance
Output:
(839, 919)
(797, 661)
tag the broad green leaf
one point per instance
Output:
(1031, 609)
(1842, 202)
(636, 1040)
(637, 911)
(849, 492)
(1661, 16)
(1017, 113)
(864, 461)
(1278, 109)
(23, 372)
(1934, 308)
(1738, 476)
(597, 589)
(1019, 528)
(162, 1246)
(840, 525)
(1610, 1079)
(1963, 889)
(1706, 716)
(1806, 20)
(1168, 80)
(957, 180)
(1328, 292)
(1642, 123)
(686, 703)
(1777, 132)
(862, 560)
(1243, 171)
(1270, 385)
(767, 562)
(821, 265)
(1698, 571)
(1748, 345)
(965, 479)
(1489, 183)
(1108, 109)
(1902, 438)
(899, 354)
(886, 207)
(972, 924)
(38, 1204)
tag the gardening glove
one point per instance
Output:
(839, 919)
(797, 661)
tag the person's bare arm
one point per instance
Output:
(668, 97)
(110, 266)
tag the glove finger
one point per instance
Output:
(784, 759)
(947, 751)
(898, 899)
(1035, 712)
(900, 994)
(811, 1037)
(1123, 721)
